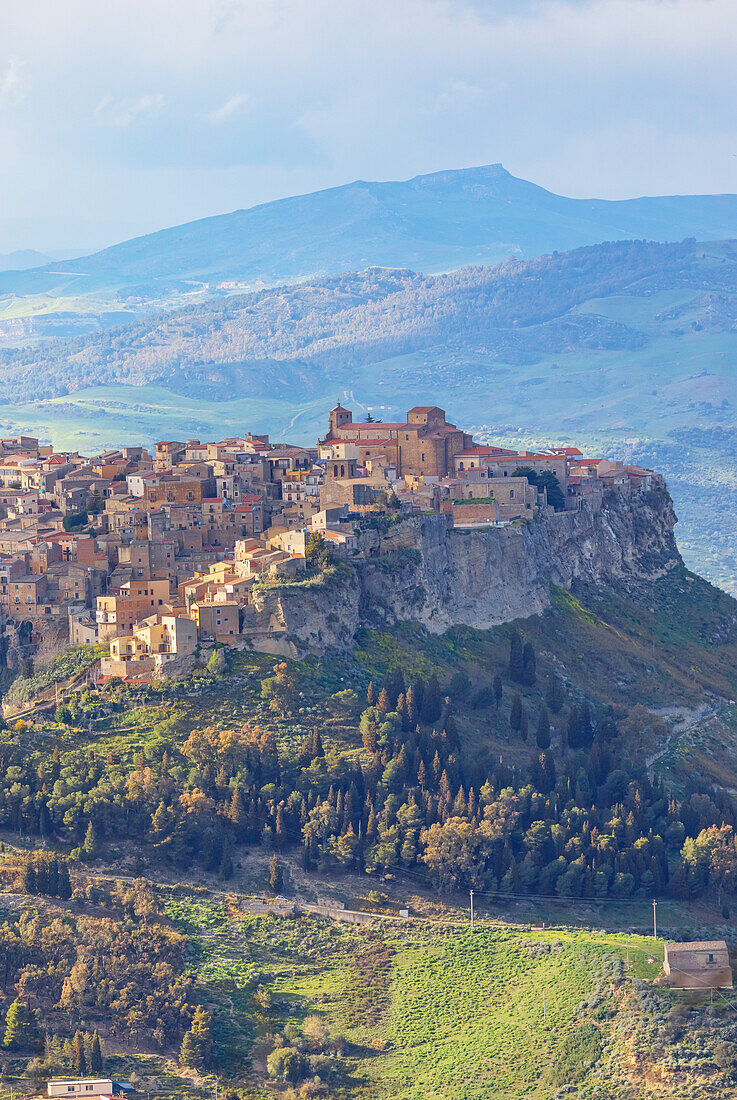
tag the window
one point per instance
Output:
(711, 957)
(511, 494)
(423, 457)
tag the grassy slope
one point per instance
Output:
(459, 1015)
(454, 1016)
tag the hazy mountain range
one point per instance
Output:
(431, 223)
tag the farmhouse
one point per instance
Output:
(698, 965)
(93, 1087)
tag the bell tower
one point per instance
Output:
(338, 417)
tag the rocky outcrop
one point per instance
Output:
(423, 570)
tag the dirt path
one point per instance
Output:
(684, 719)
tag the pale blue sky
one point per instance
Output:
(120, 117)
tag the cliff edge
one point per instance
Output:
(421, 569)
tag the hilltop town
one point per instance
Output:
(152, 555)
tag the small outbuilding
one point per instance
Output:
(698, 965)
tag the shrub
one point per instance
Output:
(285, 1064)
(483, 698)
(580, 1048)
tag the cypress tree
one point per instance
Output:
(371, 696)
(369, 736)
(64, 881)
(554, 693)
(236, 812)
(524, 725)
(317, 749)
(431, 703)
(53, 880)
(529, 664)
(276, 877)
(498, 690)
(516, 662)
(384, 703)
(413, 715)
(197, 1042)
(418, 691)
(89, 844)
(42, 874)
(515, 714)
(80, 1058)
(542, 733)
(96, 1063)
(27, 876)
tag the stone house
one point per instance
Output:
(698, 965)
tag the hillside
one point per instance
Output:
(320, 332)
(435, 222)
(150, 828)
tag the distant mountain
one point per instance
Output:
(23, 259)
(431, 223)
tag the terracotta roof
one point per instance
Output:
(375, 424)
(481, 449)
(697, 945)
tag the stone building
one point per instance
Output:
(425, 443)
(698, 965)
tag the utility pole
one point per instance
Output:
(655, 920)
(471, 893)
(628, 956)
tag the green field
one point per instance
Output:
(457, 1016)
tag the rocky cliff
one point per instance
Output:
(423, 570)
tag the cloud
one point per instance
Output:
(11, 83)
(232, 106)
(124, 112)
(156, 113)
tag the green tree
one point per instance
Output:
(276, 876)
(542, 733)
(285, 1064)
(516, 662)
(89, 844)
(21, 1027)
(317, 552)
(554, 697)
(28, 876)
(80, 1058)
(515, 714)
(196, 1049)
(431, 702)
(96, 1061)
(63, 715)
(498, 690)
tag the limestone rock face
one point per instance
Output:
(425, 571)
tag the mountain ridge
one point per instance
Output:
(432, 222)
